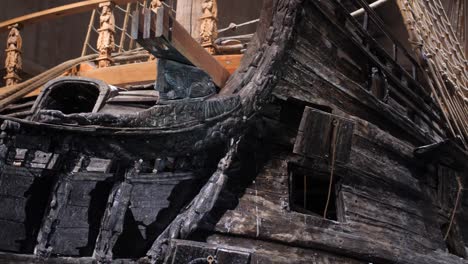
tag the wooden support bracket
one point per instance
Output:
(165, 38)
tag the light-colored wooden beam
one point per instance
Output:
(134, 73)
(137, 73)
(162, 35)
(145, 72)
(57, 12)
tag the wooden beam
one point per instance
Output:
(164, 37)
(229, 62)
(135, 73)
(124, 74)
(57, 12)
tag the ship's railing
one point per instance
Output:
(403, 86)
(109, 36)
(13, 62)
(122, 36)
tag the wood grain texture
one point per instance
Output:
(134, 73)
(137, 73)
(160, 30)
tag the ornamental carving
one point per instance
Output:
(209, 27)
(106, 41)
(155, 4)
(13, 61)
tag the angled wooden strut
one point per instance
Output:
(165, 38)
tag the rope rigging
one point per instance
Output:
(443, 58)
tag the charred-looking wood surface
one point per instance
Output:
(307, 155)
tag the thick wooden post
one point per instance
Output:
(106, 41)
(155, 5)
(209, 25)
(13, 61)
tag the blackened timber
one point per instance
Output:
(381, 25)
(428, 108)
(164, 37)
(7, 131)
(113, 219)
(58, 201)
(199, 208)
(302, 75)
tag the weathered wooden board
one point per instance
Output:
(81, 218)
(314, 137)
(24, 195)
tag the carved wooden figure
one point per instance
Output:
(155, 4)
(106, 41)
(209, 27)
(13, 61)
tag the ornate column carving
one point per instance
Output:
(13, 61)
(209, 25)
(155, 4)
(106, 42)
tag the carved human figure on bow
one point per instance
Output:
(209, 28)
(13, 61)
(106, 42)
(155, 4)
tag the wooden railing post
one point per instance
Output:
(106, 40)
(155, 4)
(209, 25)
(13, 61)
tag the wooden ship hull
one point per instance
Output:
(320, 148)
